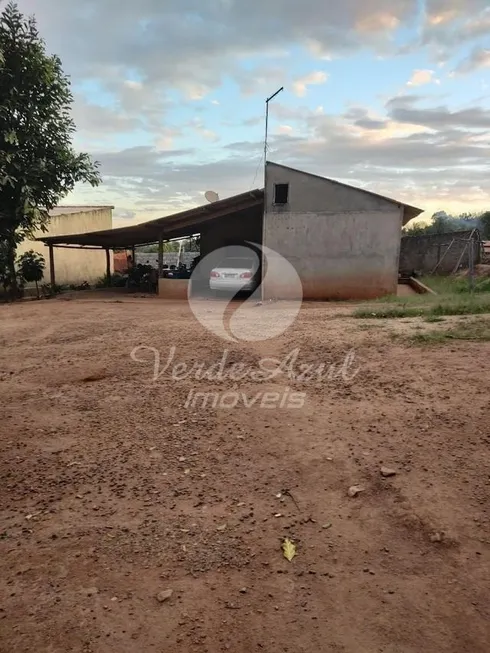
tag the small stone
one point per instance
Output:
(221, 528)
(386, 472)
(164, 596)
(436, 537)
(354, 490)
(243, 590)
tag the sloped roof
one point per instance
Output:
(409, 213)
(188, 222)
(172, 226)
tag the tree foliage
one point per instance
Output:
(442, 223)
(38, 165)
(485, 225)
(191, 244)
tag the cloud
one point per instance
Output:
(146, 75)
(207, 134)
(300, 85)
(479, 58)
(440, 12)
(123, 214)
(402, 109)
(100, 120)
(204, 41)
(192, 47)
(260, 80)
(164, 137)
(422, 77)
(376, 22)
(432, 157)
(360, 117)
(449, 25)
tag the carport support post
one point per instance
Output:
(108, 265)
(160, 256)
(52, 279)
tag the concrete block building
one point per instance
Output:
(73, 266)
(344, 242)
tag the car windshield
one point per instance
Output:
(245, 263)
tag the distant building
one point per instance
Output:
(73, 266)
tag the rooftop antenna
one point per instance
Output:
(211, 196)
(267, 125)
(265, 175)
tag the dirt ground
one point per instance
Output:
(113, 491)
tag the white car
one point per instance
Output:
(235, 274)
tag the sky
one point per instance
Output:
(169, 96)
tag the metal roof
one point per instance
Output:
(173, 226)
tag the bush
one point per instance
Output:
(116, 280)
(31, 266)
(50, 291)
(480, 285)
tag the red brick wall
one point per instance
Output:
(121, 261)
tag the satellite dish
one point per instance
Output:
(211, 196)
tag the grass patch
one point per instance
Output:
(457, 285)
(433, 319)
(429, 306)
(387, 313)
(474, 331)
(368, 327)
(466, 306)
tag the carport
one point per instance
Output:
(232, 221)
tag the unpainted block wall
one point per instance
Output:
(422, 253)
(73, 265)
(343, 242)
